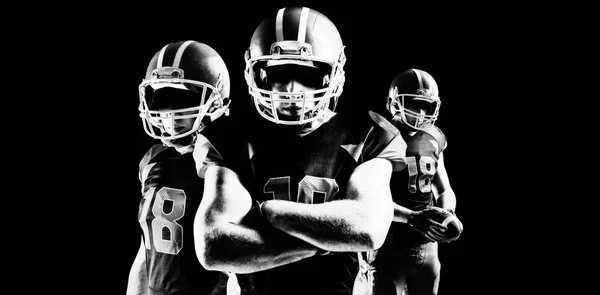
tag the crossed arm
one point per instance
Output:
(290, 231)
(358, 222)
(224, 243)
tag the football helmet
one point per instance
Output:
(414, 98)
(185, 79)
(297, 36)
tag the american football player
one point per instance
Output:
(409, 256)
(185, 90)
(307, 191)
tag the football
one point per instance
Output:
(447, 218)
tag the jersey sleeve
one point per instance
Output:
(385, 141)
(444, 145)
(144, 166)
(205, 154)
(440, 137)
(221, 143)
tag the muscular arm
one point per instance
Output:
(224, 243)
(138, 278)
(441, 187)
(358, 222)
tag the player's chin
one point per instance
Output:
(289, 115)
(179, 142)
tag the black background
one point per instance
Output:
(464, 48)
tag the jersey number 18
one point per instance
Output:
(426, 169)
(168, 207)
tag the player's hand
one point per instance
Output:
(423, 223)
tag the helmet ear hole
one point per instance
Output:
(388, 105)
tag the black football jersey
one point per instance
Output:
(313, 169)
(171, 195)
(411, 187)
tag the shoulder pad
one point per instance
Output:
(439, 136)
(150, 154)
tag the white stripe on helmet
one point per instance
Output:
(302, 26)
(161, 55)
(279, 25)
(180, 53)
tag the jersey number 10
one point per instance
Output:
(311, 189)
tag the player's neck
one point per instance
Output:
(314, 125)
(185, 149)
(182, 145)
(404, 129)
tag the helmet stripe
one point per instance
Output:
(302, 26)
(279, 25)
(434, 87)
(180, 53)
(161, 55)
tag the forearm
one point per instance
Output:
(138, 278)
(231, 236)
(447, 200)
(240, 249)
(137, 286)
(443, 192)
(401, 213)
(342, 225)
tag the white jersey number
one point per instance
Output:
(169, 206)
(427, 169)
(311, 189)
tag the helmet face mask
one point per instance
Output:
(413, 98)
(307, 106)
(312, 100)
(311, 56)
(179, 99)
(418, 112)
(162, 107)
